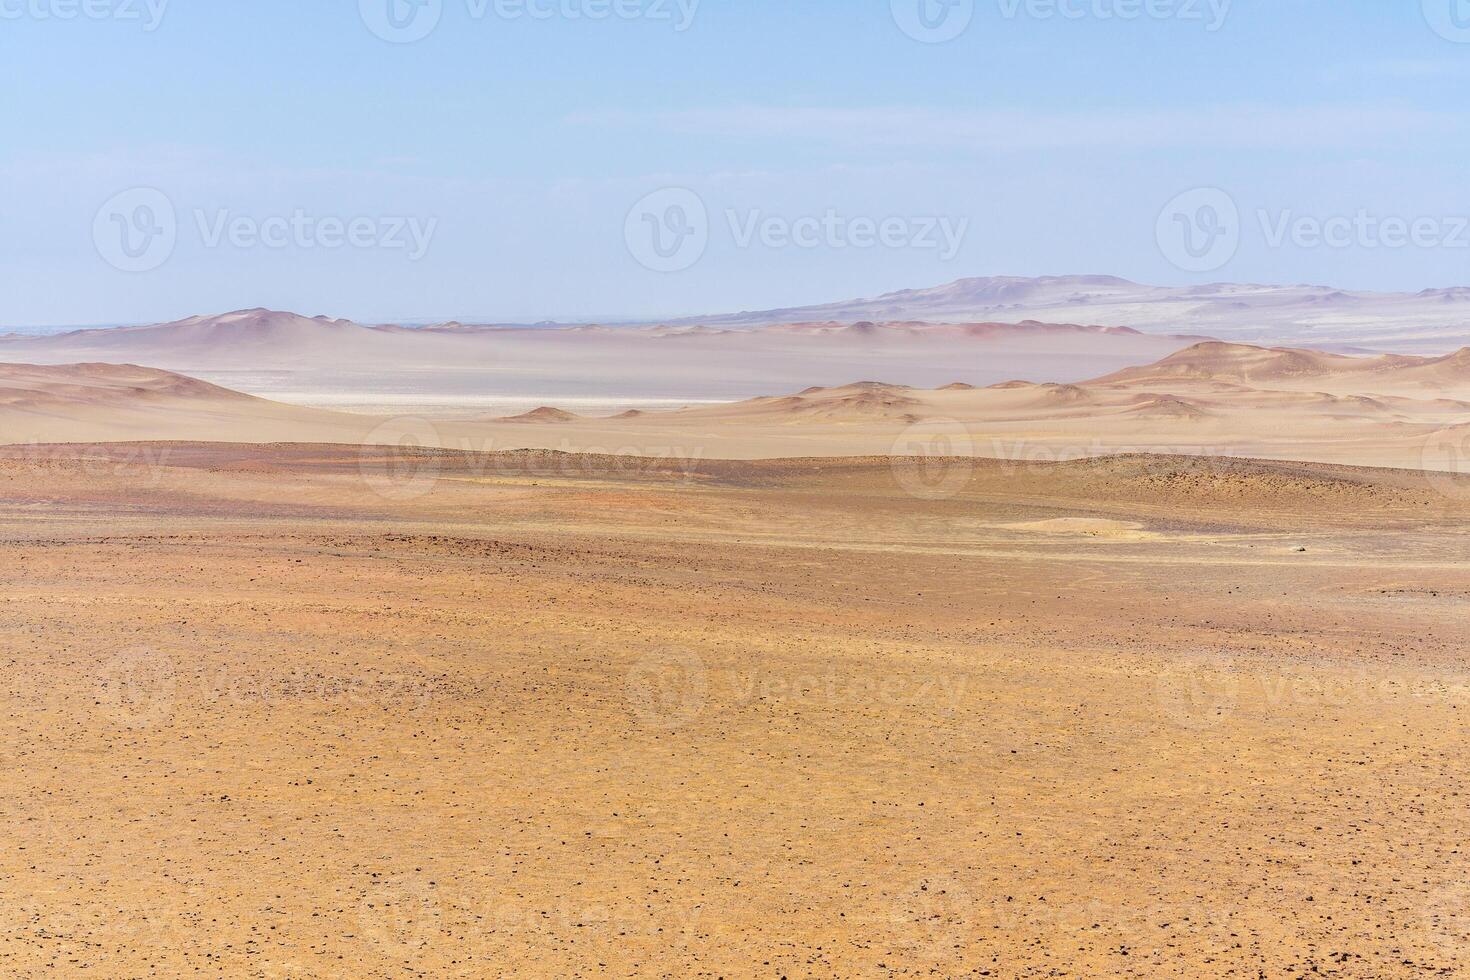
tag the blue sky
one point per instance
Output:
(517, 146)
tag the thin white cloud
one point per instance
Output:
(1269, 127)
(1398, 70)
(1409, 68)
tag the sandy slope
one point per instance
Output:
(1290, 369)
(1211, 399)
(88, 402)
(586, 717)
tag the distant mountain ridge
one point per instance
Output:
(263, 326)
(1429, 321)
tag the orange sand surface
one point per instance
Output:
(316, 711)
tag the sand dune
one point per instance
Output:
(108, 402)
(1244, 363)
(50, 387)
(543, 414)
(1289, 369)
(861, 400)
(1212, 399)
(1170, 407)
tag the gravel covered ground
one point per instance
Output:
(293, 712)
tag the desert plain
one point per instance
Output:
(324, 710)
(1047, 651)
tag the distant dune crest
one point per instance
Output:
(1210, 398)
(105, 383)
(1216, 361)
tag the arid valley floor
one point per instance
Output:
(316, 711)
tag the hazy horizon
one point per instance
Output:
(636, 318)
